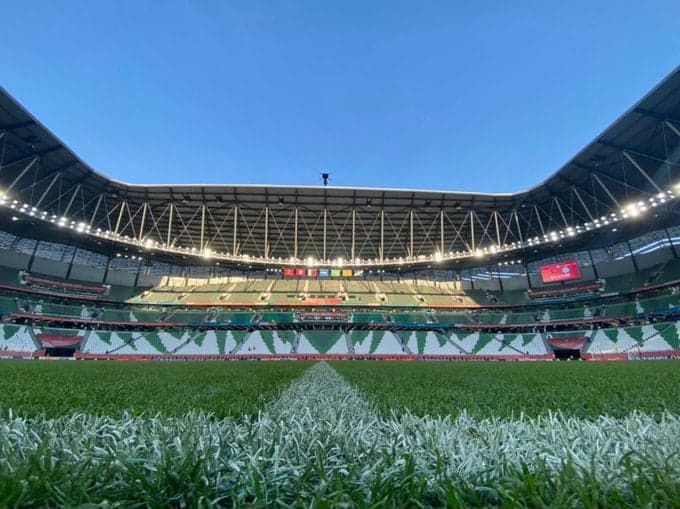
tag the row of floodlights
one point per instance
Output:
(632, 210)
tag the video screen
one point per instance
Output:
(563, 271)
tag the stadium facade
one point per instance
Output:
(287, 264)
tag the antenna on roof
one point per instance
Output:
(324, 177)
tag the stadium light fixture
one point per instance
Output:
(633, 209)
(438, 256)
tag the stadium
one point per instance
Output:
(582, 267)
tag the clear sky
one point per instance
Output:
(470, 96)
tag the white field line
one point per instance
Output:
(321, 430)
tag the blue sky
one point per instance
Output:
(470, 96)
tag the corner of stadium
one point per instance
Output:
(582, 266)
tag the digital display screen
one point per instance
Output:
(563, 271)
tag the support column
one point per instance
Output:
(592, 264)
(70, 265)
(32, 258)
(632, 257)
(106, 270)
(526, 271)
(139, 269)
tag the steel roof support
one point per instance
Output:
(672, 127)
(325, 217)
(606, 190)
(295, 238)
(411, 253)
(441, 231)
(472, 228)
(234, 247)
(202, 238)
(382, 233)
(266, 232)
(538, 216)
(639, 168)
(2, 152)
(583, 204)
(141, 226)
(70, 202)
(354, 228)
(23, 172)
(559, 208)
(172, 210)
(120, 217)
(96, 209)
(47, 190)
(498, 232)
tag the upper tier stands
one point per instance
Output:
(235, 291)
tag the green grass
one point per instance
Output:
(111, 388)
(365, 434)
(322, 443)
(487, 390)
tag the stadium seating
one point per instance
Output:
(72, 288)
(243, 318)
(17, 338)
(645, 338)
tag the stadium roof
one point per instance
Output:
(630, 168)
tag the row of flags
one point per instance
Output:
(321, 273)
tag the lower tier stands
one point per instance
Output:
(630, 342)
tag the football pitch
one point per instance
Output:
(349, 434)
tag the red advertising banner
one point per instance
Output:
(300, 272)
(288, 272)
(564, 271)
(57, 340)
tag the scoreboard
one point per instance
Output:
(563, 271)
